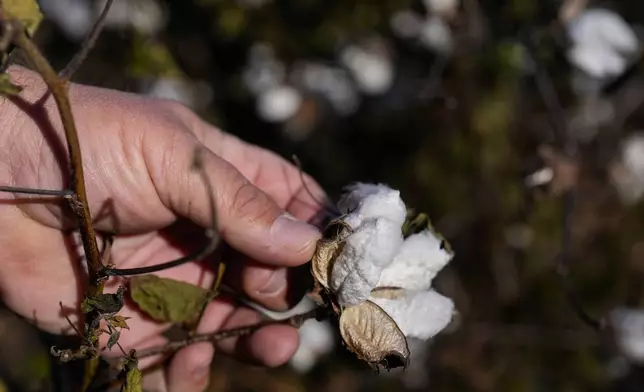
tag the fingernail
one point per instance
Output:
(275, 284)
(292, 234)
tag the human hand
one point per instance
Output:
(137, 153)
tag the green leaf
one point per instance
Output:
(7, 87)
(26, 11)
(152, 59)
(168, 300)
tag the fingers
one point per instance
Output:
(189, 370)
(248, 219)
(270, 346)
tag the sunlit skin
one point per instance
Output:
(137, 153)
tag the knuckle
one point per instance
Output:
(251, 204)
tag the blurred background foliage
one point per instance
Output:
(487, 115)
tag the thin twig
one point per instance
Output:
(211, 233)
(294, 321)
(64, 193)
(324, 204)
(87, 45)
(59, 89)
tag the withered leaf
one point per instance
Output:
(26, 11)
(104, 303)
(132, 374)
(328, 249)
(373, 336)
(7, 87)
(114, 337)
(118, 322)
(168, 300)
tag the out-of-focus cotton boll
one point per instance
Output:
(436, 35)
(316, 340)
(74, 17)
(627, 174)
(263, 70)
(372, 71)
(332, 83)
(145, 16)
(278, 104)
(441, 6)
(252, 4)
(406, 24)
(602, 43)
(194, 95)
(628, 325)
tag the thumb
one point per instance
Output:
(248, 219)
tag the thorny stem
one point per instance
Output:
(294, 321)
(87, 45)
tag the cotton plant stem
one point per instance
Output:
(294, 321)
(59, 89)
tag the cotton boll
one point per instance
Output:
(419, 314)
(372, 71)
(331, 82)
(441, 6)
(436, 35)
(406, 24)
(421, 257)
(316, 340)
(366, 253)
(146, 16)
(597, 61)
(362, 201)
(278, 104)
(602, 43)
(628, 325)
(627, 175)
(603, 28)
(74, 17)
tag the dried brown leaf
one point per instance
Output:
(373, 336)
(328, 249)
(388, 292)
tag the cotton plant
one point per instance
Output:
(602, 43)
(374, 267)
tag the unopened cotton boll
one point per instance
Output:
(602, 43)
(278, 104)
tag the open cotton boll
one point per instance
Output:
(316, 340)
(605, 28)
(418, 314)
(628, 324)
(421, 257)
(597, 61)
(365, 201)
(366, 253)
